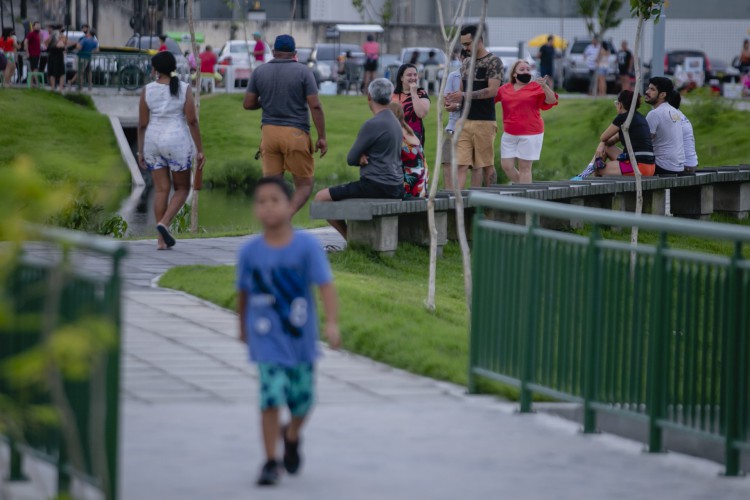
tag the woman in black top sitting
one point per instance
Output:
(610, 159)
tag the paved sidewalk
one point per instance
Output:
(190, 426)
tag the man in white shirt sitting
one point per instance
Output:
(665, 123)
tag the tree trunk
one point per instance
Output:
(196, 53)
(449, 44)
(460, 214)
(626, 135)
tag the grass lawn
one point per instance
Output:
(381, 308)
(381, 304)
(231, 136)
(64, 140)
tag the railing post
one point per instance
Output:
(112, 396)
(591, 332)
(657, 336)
(16, 462)
(63, 471)
(473, 334)
(530, 336)
(733, 399)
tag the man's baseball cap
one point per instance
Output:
(284, 43)
(256, 33)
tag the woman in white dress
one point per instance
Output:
(169, 138)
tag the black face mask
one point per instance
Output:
(523, 77)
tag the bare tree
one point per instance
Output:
(600, 15)
(450, 42)
(198, 175)
(459, 208)
(645, 10)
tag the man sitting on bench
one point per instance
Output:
(377, 153)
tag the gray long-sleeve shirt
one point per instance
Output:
(380, 139)
(452, 85)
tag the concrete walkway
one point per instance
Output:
(190, 425)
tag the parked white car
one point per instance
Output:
(509, 55)
(236, 53)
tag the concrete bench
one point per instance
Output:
(380, 224)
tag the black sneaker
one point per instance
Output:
(292, 460)
(269, 474)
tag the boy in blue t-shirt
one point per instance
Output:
(278, 320)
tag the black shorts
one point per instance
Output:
(33, 63)
(664, 171)
(365, 188)
(371, 65)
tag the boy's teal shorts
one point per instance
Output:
(293, 387)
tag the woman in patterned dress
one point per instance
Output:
(412, 158)
(169, 141)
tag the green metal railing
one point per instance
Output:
(57, 308)
(653, 333)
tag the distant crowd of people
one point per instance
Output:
(45, 50)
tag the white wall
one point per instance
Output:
(114, 25)
(719, 38)
(342, 11)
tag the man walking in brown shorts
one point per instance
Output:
(287, 93)
(476, 143)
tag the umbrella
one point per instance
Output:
(539, 40)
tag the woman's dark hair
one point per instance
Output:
(164, 63)
(7, 32)
(400, 75)
(370, 38)
(626, 98)
(163, 38)
(275, 181)
(674, 99)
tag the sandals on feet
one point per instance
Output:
(164, 232)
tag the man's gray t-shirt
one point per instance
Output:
(666, 130)
(380, 139)
(283, 85)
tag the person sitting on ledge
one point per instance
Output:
(377, 153)
(612, 161)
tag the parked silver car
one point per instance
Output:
(324, 59)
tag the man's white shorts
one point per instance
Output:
(525, 147)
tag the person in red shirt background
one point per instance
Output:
(523, 128)
(33, 45)
(259, 52)
(163, 46)
(208, 60)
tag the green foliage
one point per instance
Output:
(114, 225)
(706, 108)
(65, 142)
(84, 213)
(386, 13)
(70, 349)
(600, 15)
(181, 221)
(648, 9)
(84, 100)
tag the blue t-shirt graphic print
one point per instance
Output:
(281, 318)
